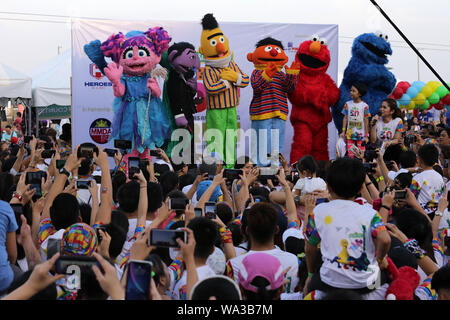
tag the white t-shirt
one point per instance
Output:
(387, 131)
(428, 187)
(309, 185)
(286, 259)
(393, 174)
(179, 291)
(345, 231)
(356, 113)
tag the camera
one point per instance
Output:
(110, 152)
(122, 144)
(133, 167)
(166, 238)
(46, 154)
(370, 167)
(83, 184)
(232, 174)
(155, 153)
(178, 203)
(210, 210)
(371, 153)
(409, 139)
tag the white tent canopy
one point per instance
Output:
(51, 82)
(14, 84)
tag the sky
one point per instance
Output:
(33, 31)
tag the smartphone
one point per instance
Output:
(18, 210)
(447, 242)
(154, 153)
(166, 238)
(110, 152)
(210, 207)
(122, 144)
(232, 174)
(178, 203)
(321, 200)
(27, 139)
(354, 148)
(400, 194)
(198, 212)
(210, 215)
(143, 163)
(98, 179)
(46, 154)
(99, 236)
(84, 263)
(35, 180)
(60, 164)
(48, 145)
(83, 184)
(133, 167)
(53, 247)
(139, 274)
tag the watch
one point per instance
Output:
(64, 171)
(438, 213)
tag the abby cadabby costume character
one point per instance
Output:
(139, 115)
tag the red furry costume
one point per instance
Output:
(311, 101)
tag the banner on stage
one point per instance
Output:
(92, 93)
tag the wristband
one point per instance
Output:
(368, 184)
(310, 274)
(17, 195)
(386, 207)
(380, 178)
(413, 247)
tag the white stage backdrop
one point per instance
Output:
(92, 93)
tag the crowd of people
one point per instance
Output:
(370, 225)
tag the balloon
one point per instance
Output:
(397, 93)
(439, 106)
(391, 97)
(405, 99)
(411, 106)
(412, 92)
(434, 85)
(420, 99)
(418, 84)
(404, 85)
(425, 105)
(416, 112)
(446, 100)
(441, 91)
(433, 98)
(427, 91)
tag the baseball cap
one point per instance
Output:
(203, 186)
(14, 140)
(79, 239)
(261, 265)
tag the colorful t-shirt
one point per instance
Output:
(387, 131)
(180, 290)
(428, 187)
(356, 114)
(345, 231)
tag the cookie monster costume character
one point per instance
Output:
(269, 108)
(222, 79)
(180, 88)
(311, 100)
(139, 115)
(368, 66)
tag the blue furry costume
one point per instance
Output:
(367, 65)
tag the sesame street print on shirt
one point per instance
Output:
(428, 187)
(387, 131)
(345, 231)
(356, 114)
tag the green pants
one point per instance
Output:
(223, 139)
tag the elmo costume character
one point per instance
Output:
(269, 108)
(311, 100)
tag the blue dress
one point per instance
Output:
(129, 116)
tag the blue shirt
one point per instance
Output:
(8, 223)
(427, 117)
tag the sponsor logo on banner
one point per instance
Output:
(100, 130)
(95, 72)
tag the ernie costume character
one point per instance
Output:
(269, 108)
(222, 79)
(139, 115)
(315, 92)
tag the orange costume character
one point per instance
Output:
(269, 108)
(311, 100)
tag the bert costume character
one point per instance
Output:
(222, 79)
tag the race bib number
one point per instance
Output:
(355, 124)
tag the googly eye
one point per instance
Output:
(379, 34)
(142, 53)
(315, 37)
(267, 49)
(213, 42)
(323, 41)
(386, 37)
(278, 49)
(222, 39)
(128, 53)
